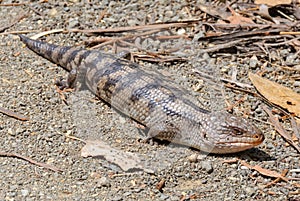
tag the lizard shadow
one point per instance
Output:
(253, 154)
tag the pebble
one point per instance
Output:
(284, 52)
(11, 132)
(206, 166)
(169, 13)
(253, 62)
(24, 192)
(250, 191)
(273, 55)
(193, 158)
(290, 59)
(270, 146)
(126, 194)
(53, 12)
(297, 84)
(66, 9)
(181, 31)
(73, 23)
(297, 67)
(132, 22)
(117, 198)
(163, 197)
(244, 168)
(204, 181)
(103, 182)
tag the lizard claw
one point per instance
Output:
(61, 84)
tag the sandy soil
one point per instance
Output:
(27, 87)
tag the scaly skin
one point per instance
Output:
(147, 98)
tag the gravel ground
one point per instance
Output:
(27, 87)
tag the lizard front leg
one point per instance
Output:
(69, 83)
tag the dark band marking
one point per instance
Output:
(114, 67)
(45, 50)
(143, 91)
(169, 135)
(72, 56)
(124, 62)
(85, 54)
(58, 55)
(101, 71)
(109, 86)
(170, 112)
(128, 81)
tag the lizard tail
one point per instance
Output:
(54, 53)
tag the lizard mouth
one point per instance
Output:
(249, 141)
(237, 144)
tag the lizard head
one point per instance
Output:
(226, 133)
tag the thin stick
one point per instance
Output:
(15, 155)
(13, 114)
(15, 4)
(133, 28)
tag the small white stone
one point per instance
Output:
(193, 158)
(181, 31)
(53, 12)
(244, 168)
(24, 192)
(10, 131)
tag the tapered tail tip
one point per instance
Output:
(22, 37)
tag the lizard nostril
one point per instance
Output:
(257, 136)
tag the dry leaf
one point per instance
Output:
(277, 94)
(238, 19)
(264, 171)
(125, 160)
(273, 2)
(214, 11)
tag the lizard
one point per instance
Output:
(142, 96)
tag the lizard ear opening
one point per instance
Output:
(205, 136)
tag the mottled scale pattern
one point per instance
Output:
(149, 99)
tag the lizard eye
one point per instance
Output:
(237, 131)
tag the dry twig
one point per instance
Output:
(280, 130)
(13, 114)
(44, 165)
